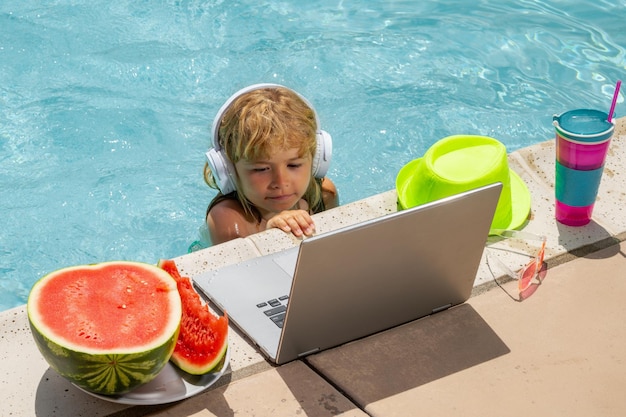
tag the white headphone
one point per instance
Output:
(222, 168)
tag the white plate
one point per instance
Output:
(170, 385)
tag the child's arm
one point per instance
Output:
(330, 195)
(226, 221)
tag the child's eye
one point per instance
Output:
(295, 165)
(257, 167)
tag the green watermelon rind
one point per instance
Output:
(193, 369)
(106, 374)
(110, 372)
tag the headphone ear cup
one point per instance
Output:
(323, 154)
(223, 171)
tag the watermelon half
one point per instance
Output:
(203, 338)
(107, 327)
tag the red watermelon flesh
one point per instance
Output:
(203, 337)
(92, 312)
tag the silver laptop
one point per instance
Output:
(352, 282)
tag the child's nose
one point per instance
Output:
(280, 176)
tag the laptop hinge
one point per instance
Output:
(437, 310)
(308, 352)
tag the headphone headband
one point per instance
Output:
(215, 127)
(223, 170)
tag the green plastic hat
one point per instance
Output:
(460, 163)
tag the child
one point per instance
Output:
(269, 160)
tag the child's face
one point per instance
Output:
(277, 183)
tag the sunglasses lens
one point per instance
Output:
(527, 274)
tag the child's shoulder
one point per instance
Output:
(226, 220)
(330, 194)
(224, 205)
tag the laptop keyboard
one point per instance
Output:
(275, 309)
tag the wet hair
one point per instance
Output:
(262, 122)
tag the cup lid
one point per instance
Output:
(584, 124)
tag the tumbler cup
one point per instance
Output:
(582, 142)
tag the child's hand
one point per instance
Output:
(298, 222)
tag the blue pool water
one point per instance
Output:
(105, 106)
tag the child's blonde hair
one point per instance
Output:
(264, 121)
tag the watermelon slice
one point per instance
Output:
(108, 327)
(203, 338)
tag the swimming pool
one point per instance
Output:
(105, 107)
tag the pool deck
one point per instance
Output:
(558, 352)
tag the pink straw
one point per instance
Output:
(615, 94)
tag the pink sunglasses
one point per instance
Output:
(528, 273)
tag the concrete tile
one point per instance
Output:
(290, 390)
(565, 352)
(274, 240)
(392, 362)
(214, 257)
(243, 354)
(356, 212)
